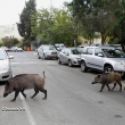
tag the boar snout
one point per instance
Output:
(93, 82)
(5, 94)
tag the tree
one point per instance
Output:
(94, 15)
(54, 26)
(10, 41)
(63, 27)
(24, 26)
(42, 28)
(118, 31)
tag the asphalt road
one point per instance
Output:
(72, 99)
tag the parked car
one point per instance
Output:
(47, 52)
(70, 56)
(105, 59)
(4, 48)
(16, 49)
(59, 46)
(5, 68)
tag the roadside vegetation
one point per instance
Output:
(80, 20)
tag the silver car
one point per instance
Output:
(103, 58)
(46, 52)
(5, 68)
(70, 56)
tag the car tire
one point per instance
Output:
(59, 61)
(39, 56)
(108, 69)
(70, 63)
(44, 57)
(83, 66)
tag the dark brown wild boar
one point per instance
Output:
(21, 82)
(109, 78)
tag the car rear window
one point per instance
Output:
(114, 53)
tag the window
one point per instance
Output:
(75, 51)
(89, 51)
(98, 51)
(114, 53)
(84, 51)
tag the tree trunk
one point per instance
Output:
(103, 39)
(90, 39)
(123, 47)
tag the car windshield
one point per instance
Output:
(114, 53)
(3, 55)
(49, 48)
(75, 51)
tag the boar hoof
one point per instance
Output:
(120, 90)
(100, 90)
(31, 97)
(13, 100)
(44, 98)
(109, 90)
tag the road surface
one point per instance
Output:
(72, 99)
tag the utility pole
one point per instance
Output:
(74, 26)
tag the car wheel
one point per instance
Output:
(39, 56)
(59, 61)
(70, 63)
(83, 66)
(44, 57)
(108, 69)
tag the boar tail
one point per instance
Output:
(44, 76)
(123, 76)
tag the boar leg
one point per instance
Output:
(120, 86)
(102, 87)
(16, 94)
(108, 87)
(23, 93)
(45, 93)
(114, 86)
(36, 92)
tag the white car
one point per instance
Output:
(5, 68)
(103, 58)
(59, 46)
(46, 52)
(70, 56)
(16, 49)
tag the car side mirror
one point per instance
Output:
(11, 57)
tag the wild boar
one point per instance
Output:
(109, 78)
(21, 82)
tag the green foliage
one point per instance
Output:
(81, 18)
(54, 26)
(24, 27)
(94, 16)
(10, 41)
